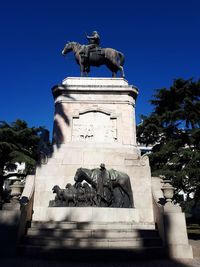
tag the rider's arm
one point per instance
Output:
(91, 37)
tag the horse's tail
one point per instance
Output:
(121, 58)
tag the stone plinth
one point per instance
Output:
(92, 214)
(95, 110)
(94, 123)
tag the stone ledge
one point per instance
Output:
(94, 81)
(81, 85)
(91, 214)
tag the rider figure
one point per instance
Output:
(93, 41)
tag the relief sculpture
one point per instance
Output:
(97, 187)
(94, 126)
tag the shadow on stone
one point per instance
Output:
(59, 115)
(9, 223)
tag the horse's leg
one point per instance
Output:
(75, 202)
(92, 199)
(87, 70)
(95, 201)
(127, 189)
(82, 69)
(86, 73)
(122, 72)
(125, 186)
(114, 74)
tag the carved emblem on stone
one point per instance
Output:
(94, 126)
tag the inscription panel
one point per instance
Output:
(94, 126)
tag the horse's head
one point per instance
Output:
(78, 178)
(68, 47)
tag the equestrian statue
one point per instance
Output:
(93, 55)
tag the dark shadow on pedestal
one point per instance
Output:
(41, 247)
(9, 223)
(58, 137)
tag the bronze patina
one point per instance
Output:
(93, 55)
(97, 187)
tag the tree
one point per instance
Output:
(173, 129)
(18, 143)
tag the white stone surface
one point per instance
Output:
(176, 233)
(94, 123)
(180, 251)
(83, 105)
(88, 81)
(171, 224)
(92, 214)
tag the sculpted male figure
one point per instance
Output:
(93, 41)
(104, 186)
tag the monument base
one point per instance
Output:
(94, 123)
(88, 214)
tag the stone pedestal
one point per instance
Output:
(95, 111)
(170, 222)
(176, 239)
(94, 123)
(92, 214)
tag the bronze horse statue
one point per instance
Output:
(123, 196)
(113, 59)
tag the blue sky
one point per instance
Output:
(160, 40)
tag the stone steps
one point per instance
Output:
(92, 254)
(96, 233)
(92, 225)
(92, 243)
(59, 237)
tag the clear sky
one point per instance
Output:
(160, 40)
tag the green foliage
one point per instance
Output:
(18, 143)
(173, 129)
